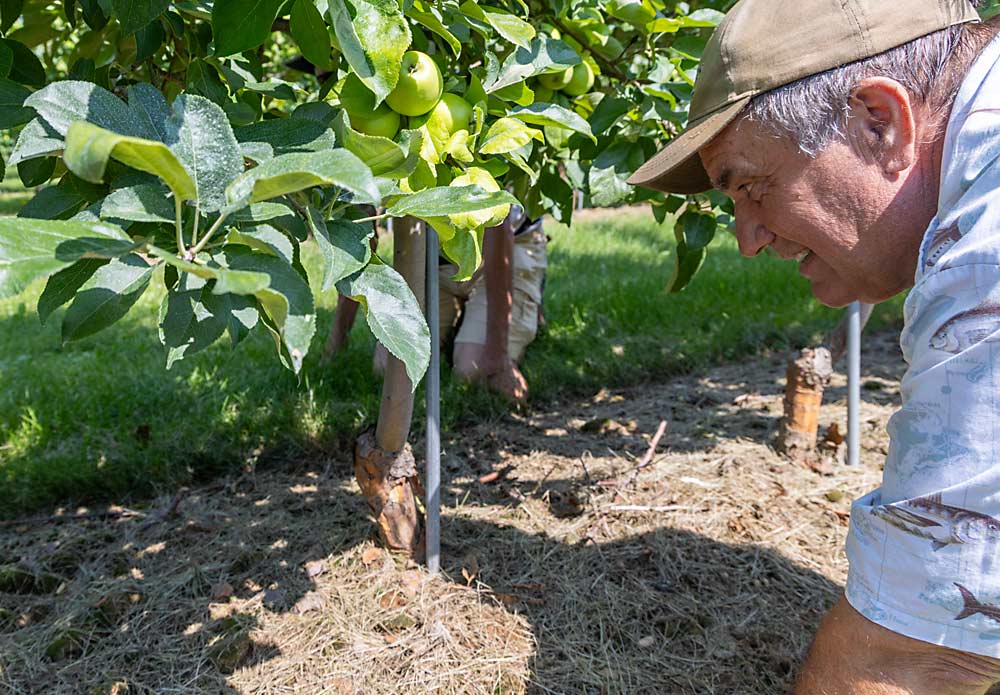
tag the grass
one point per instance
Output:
(102, 419)
(12, 192)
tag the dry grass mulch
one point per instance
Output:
(576, 572)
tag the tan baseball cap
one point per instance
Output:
(764, 44)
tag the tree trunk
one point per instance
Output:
(808, 374)
(383, 461)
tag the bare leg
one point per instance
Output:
(853, 656)
(343, 320)
(344, 315)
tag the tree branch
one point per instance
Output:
(606, 65)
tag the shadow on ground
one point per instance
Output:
(267, 582)
(184, 603)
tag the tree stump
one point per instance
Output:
(807, 374)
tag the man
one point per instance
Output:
(862, 140)
(496, 312)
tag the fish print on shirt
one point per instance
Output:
(942, 524)
(968, 328)
(944, 238)
(973, 606)
(868, 533)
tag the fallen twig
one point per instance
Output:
(494, 476)
(648, 458)
(541, 482)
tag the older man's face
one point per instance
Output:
(840, 217)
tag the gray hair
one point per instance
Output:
(814, 110)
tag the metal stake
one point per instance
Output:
(853, 383)
(433, 409)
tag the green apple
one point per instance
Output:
(359, 102)
(542, 93)
(451, 114)
(632, 11)
(581, 81)
(419, 87)
(557, 136)
(549, 29)
(489, 217)
(383, 122)
(556, 80)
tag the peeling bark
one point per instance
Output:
(388, 480)
(808, 374)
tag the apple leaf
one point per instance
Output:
(373, 37)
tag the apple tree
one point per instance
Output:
(199, 144)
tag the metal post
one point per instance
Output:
(433, 409)
(853, 383)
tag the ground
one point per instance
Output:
(576, 571)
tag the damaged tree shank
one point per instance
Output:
(387, 480)
(808, 374)
(383, 461)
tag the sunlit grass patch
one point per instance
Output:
(102, 419)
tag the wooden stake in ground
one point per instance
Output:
(383, 461)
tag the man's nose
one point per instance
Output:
(752, 236)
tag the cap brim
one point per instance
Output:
(677, 168)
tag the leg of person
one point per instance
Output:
(853, 656)
(451, 296)
(530, 263)
(449, 302)
(470, 350)
(468, 359)
(481, 345)
(471, 339)
(344, 315)
(380, 358)
(343, 320)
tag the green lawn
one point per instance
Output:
(102, 419)
(12, 192)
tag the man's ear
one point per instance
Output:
(880, 125)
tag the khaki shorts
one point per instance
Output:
(529, 273)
